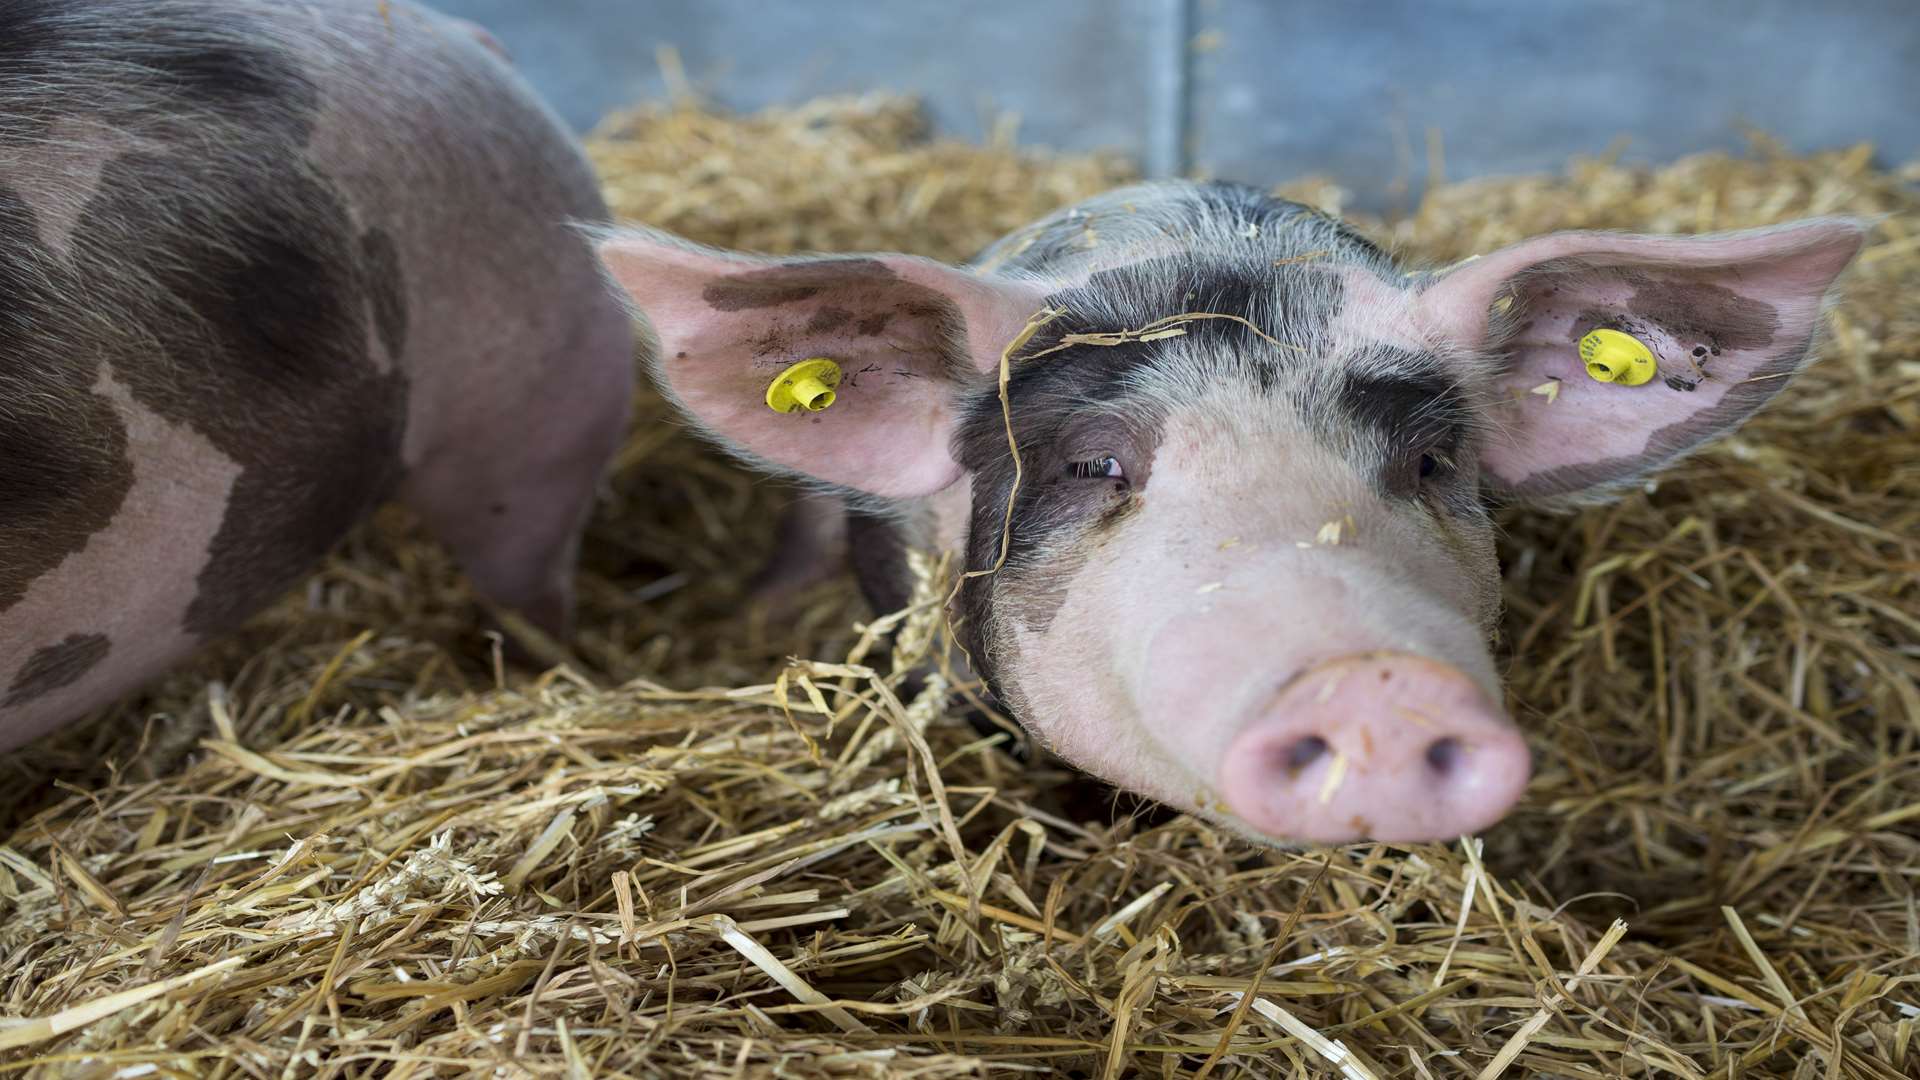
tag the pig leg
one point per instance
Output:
(513, 516)
(809, 546)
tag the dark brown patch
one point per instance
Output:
(1702, 311)
(64, 467)
(828, 319)
(55, 666)
(386, 287)
(876, 324)
(258, 302)
(776, 286)
(243, 301)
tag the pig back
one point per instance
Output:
(257, 261)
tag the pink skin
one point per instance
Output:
(123, 584)
(1172, 653)
(1216, 651)
(887, 431)
(1384, 745)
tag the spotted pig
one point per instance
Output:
(1248, 569)
(264, 264)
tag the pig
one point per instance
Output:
(1243, 565)
(263, 266)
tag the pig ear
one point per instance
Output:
(907, 334)
(1728, 319)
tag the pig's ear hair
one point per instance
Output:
(907, 334)
(1728, 320)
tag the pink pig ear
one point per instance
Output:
(907, 334)
(1728, 319)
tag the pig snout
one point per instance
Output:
(1383, 746)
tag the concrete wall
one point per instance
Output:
(1261, 90)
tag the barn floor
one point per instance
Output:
(350, 842)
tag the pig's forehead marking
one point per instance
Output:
(55, 667)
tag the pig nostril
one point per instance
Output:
(1444, 755)
(1305, 752)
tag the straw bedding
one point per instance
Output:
(354, 842)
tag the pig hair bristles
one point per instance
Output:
(716, 840)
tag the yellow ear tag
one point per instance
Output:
(1614, 357)
(806, 385)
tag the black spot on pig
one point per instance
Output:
(30, 31)
(56, 666)
(876, 324)
(829, 319)
(1298, 300)
(1403, 405)
(34, 47)
(1675, 382)
(252, 81)
(1414, 414)
(64, 469)
(776, 286)
(229, 66)
(62, 479)
(386, 287)
(253, 312)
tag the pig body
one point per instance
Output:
(262, 266)
(1242, 559)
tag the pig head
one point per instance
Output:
(1234, 508)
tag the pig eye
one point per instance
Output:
(1106, 466)
(1412, 474)
(1432, 467)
